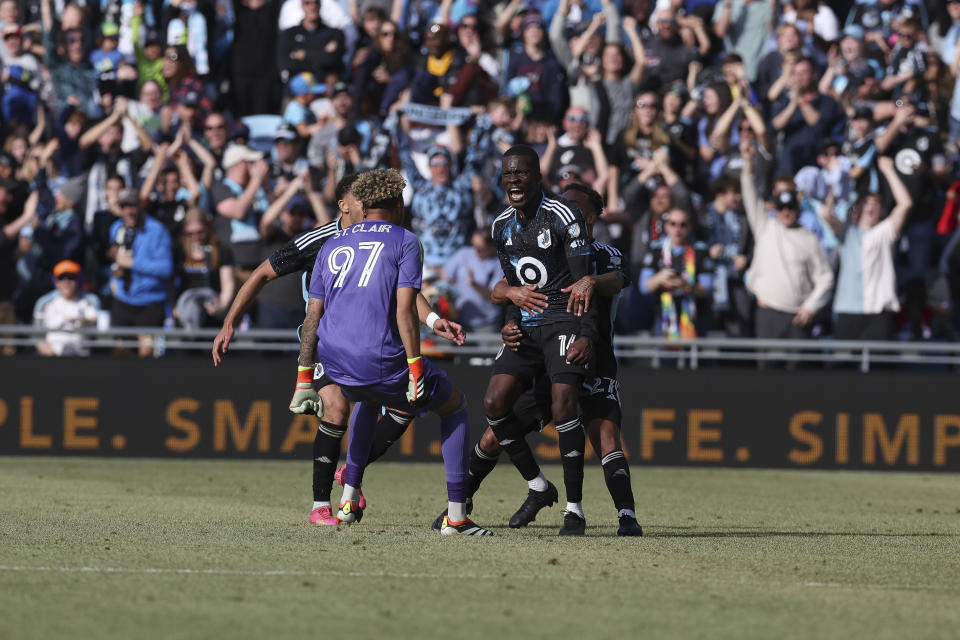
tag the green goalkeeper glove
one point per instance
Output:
(305, 399)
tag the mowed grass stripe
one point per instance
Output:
(282, 573)
(177, 548)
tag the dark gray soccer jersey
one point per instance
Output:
(550, 250)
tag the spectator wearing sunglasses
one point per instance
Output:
(579, 146)
(64, 310)
(679, 272)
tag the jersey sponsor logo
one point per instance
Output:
(531, 271)
(578, 243)
(923, 143)
(543, 240)
(907, 161)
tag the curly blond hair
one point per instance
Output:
(379, 188)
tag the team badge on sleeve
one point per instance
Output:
(574, 230)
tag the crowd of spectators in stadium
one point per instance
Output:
(771, 168)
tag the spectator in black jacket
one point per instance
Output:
(254, 62)
(311, 46)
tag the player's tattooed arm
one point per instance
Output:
(526, 297)
(308, 334)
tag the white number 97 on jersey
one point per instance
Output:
(341, 259)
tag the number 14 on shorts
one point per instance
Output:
(565, 342)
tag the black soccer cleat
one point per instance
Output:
(438, 523)
(629, 527)
(573, 525)
(535, 501)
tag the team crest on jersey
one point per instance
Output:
(543, 240)
(574, 230)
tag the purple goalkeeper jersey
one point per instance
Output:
(357, 274)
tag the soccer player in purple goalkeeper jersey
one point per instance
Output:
(296, 257)
(371, 272)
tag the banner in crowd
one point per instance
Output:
(734, 417)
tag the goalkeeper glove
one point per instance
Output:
(416, 387)
(305, 399)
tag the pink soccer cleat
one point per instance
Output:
(323, 515)
(338, 476)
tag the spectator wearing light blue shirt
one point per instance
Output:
(442, 207)
(950, 54)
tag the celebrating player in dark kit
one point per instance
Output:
(372, 271)
(599, 396)
(542, 244)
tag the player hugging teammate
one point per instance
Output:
(555, 345)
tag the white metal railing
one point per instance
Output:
(481, 347)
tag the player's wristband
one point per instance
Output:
(415, 365)
(431, 320)
(305, 374)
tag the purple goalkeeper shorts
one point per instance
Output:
(393, 395)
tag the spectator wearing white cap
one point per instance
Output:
(239, 201)
(790, 275)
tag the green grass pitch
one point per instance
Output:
(94, 548)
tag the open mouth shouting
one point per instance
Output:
(521, 180)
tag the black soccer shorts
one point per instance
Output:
(320, 377)
(600, 400)
(543, 350)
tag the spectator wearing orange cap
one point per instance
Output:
(64, 310)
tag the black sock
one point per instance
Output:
(326, 455)
(616, 473)
(390, 428)
(572, 441)
(510, 436)
(481, 464)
